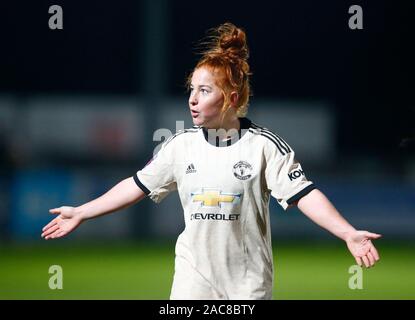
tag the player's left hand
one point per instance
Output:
(362, 248)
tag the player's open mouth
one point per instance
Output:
(194, 113)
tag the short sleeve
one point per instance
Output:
(285, 177)
(157, 178)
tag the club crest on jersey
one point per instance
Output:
(242, 170)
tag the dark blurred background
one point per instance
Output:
(84, 107)
(79, 106)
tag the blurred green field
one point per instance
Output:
(145, 271)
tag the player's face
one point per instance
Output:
(205, 100)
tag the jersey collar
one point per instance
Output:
(244, 125)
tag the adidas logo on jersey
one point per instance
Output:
(190, 168)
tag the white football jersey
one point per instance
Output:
(225, 250)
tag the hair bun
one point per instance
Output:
(232, 41)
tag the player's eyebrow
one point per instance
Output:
(201, 86)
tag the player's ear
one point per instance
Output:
(234, 98)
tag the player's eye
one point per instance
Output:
(204, 91)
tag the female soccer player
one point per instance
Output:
(225, 169)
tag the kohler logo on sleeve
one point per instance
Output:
(295, 174)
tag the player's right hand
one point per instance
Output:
(66, 221)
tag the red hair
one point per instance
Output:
(225, 55)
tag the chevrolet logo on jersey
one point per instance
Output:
(214, 198)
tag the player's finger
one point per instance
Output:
(55, 210)
(366, 261)
(50, 224)
(374, 252)
(372, 235)
(358, 261)
(50, 230)
(54, 234)
(59, 234)
(371, 259)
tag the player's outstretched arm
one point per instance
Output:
(120, 196)
(318, 208)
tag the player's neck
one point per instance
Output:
(225, 128)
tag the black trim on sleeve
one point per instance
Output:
(301, 194)
(140, 185)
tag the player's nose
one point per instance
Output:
(192, 100)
